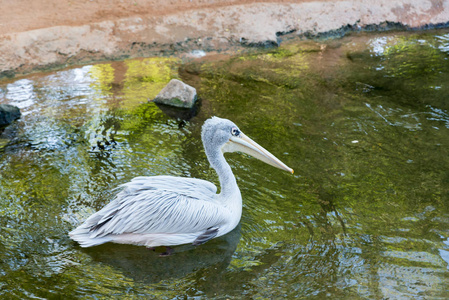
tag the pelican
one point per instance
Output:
(168, 211)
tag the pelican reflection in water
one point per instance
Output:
(168, 211)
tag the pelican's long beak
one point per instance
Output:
(244, 144)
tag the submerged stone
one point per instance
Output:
(177, 93)
(8, 113)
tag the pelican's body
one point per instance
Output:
(167, 211)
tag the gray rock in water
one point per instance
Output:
(8, 113)
(177, 93)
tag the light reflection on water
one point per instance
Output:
(360, 120)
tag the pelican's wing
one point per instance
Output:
(156, 205)
(192, 187)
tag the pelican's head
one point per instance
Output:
(218, 133)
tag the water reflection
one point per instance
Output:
(21, 93)
(144, 265)
(183, 114)
(444, 40)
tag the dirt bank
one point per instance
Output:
(44, 33)
(24, 15)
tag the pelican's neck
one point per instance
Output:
(228, 184)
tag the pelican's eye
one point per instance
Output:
(235, 131)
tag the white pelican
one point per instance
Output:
(167, 211)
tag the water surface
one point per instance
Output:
(363, 121)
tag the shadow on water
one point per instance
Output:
(144, 265)
(326, 201)
(184, 114)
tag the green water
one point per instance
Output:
(363, 121)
